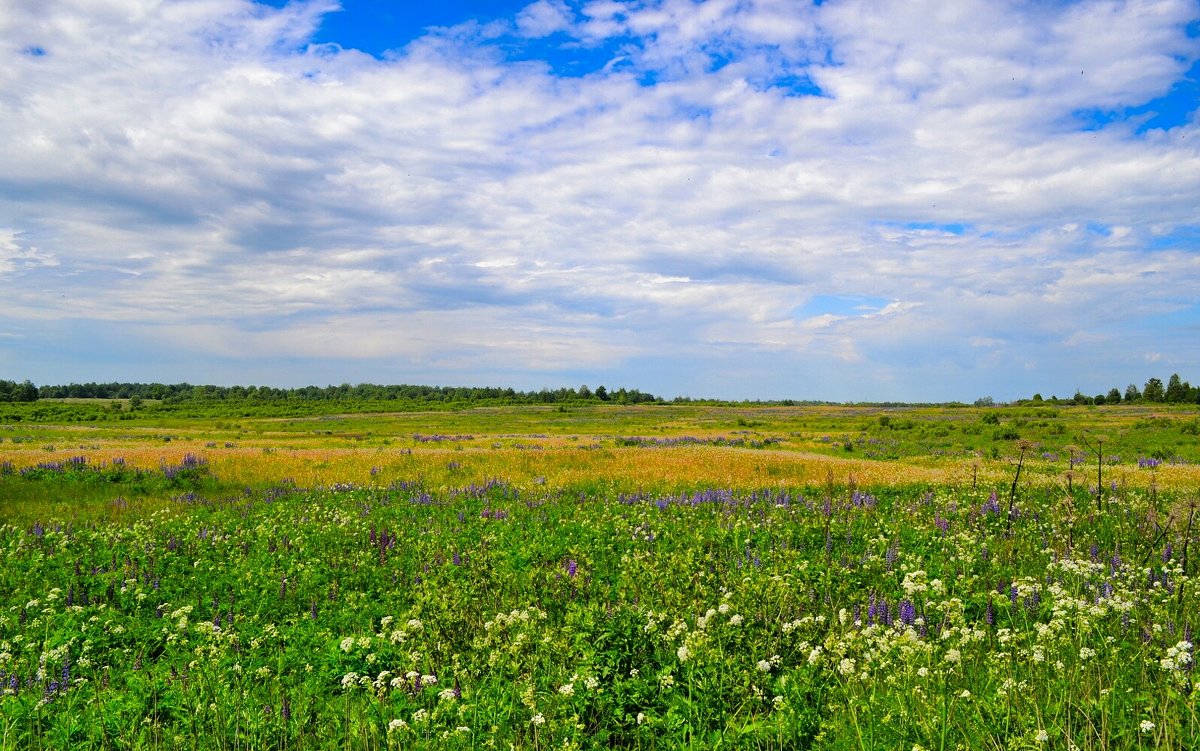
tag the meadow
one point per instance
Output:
(601, 576)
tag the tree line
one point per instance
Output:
(11, 391)
(179, 393)
(1176, 391)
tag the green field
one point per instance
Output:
(600, 576)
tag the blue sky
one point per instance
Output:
(757, 199)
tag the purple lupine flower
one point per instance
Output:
(1168, 552)
(457, 559)
(889, 558)
(572, 567)
(285, 709)
(990, 614)
(1033, 600)
(1012, 594)
(1094, 551)
(908, 613)
(872, 609)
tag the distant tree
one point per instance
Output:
(1132, 394)
(985, 401)
(1153, 391)
(602, 393)
(1037, 397)
(1098, 399)
(1080, 398)
(11, 391)
(1177, 390)
(1114, 396)
(585, 392)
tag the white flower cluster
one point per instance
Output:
(1178, 657)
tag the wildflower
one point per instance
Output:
(396, 725)
(1146, 726)
(683, 653)
(347, 644)
(421, 715)
(538, 719)
(735, 619)
(1042, 736)
(764, 666)
(953, 656)
(641, 718)
(846, 666)
(568, 689)
(447, 694)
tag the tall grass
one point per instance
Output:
(485, 615)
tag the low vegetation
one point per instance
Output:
(593, 575)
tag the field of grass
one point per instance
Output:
(667, 576)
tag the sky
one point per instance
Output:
(849, 200)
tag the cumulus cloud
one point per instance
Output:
(204, 174)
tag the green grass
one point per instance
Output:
(449, 608)
(552, 620)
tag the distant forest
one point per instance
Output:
(1176, 391)
(179, 393)
(185, 397)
